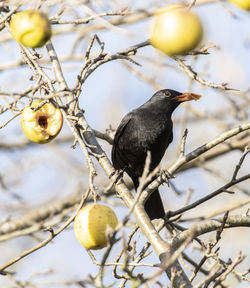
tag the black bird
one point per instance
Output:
(147, 128)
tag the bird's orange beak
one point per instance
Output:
(187, 97)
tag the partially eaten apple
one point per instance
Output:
(43, 124)
(92, 224)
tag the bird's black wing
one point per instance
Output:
(125, 151)
(116, 153)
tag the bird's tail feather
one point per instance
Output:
(154, 206)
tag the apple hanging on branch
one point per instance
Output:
(30, 28)
(244, 4)
(176, 30)
(91, 225)
(43, 124)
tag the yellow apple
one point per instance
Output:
(30, 28)
(176, 31)
(92, 223)
(244, 4)
(42, 125)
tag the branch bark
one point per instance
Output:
(209, 226)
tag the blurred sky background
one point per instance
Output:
(110, 92)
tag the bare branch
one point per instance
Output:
(47, 240)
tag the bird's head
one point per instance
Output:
(174, 98)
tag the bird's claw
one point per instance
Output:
(165, 176)
(117, 174)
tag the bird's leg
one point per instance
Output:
(165, 175)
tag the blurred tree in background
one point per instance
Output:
(97, 67)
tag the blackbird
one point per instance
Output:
(147, 128)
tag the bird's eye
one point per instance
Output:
(167, 94)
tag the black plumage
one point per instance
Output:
(147, 128)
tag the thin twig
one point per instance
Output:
(47, 240)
